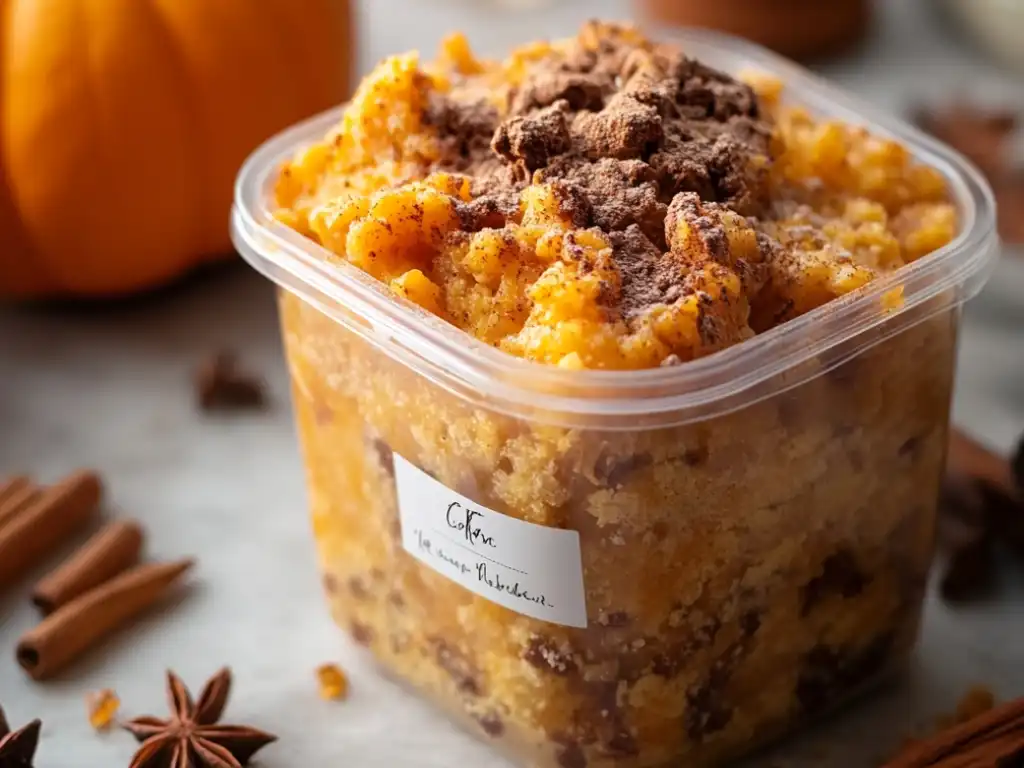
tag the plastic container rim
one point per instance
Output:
(456, 358)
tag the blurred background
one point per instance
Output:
(121, 137)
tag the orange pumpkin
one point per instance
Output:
(123, 123)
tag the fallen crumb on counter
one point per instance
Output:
(102, 706)
(221, 385)
(333, 682)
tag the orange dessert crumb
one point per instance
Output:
(333, 681)
(102, 706)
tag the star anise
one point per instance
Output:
(17, 748)
(191, 737)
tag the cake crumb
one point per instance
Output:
(333, 682)
(102, 706)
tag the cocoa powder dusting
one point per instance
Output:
(620, 128)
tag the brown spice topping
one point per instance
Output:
(620, 131)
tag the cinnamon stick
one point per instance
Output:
(73, 629)
(35, 531)
(13, 485)
(984, 740)
(17, 502)
(114, 549)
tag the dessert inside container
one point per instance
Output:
(659, 567)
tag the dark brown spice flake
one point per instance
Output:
(221, 385)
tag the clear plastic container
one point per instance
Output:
(711, 552)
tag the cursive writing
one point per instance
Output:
(461, 519)
(494, 581)
(426, 545)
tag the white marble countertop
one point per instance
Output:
(111, 388)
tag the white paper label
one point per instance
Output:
(529, 568)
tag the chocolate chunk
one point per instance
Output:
(361, 633)
(708, 708)
(840, 575)
(546, 653)
(829, 674)
(459, 667)
(383, 454)
(358, 588)
(492, 725)
(330, 582)
(695, 457)
(613, 471)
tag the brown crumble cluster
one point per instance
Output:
(605, 202)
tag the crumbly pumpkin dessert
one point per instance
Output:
(606, 202)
